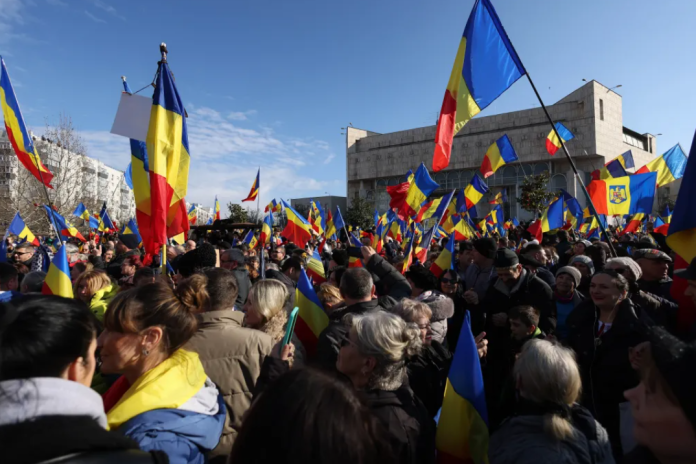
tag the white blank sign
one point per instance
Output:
(133, 117)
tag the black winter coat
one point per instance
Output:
(391, 282)
(407, 421)
(289, 285)
(329, 343)
(659, 288)
(51, 437)
(244, 284)
(603, 361)
(114, 267)
(427, 375)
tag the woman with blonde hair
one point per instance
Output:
(548, 425)
(96, 289)
(373, 356)
(264, 310)
(330, 297)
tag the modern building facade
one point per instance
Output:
(593, 113)
(328, 203)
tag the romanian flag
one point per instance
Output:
(499, 154)
(553, 216)
(398, 193)
(408, 257)
(462, 430)
(297, 229)
(499, 199)
(317, 221)
(669, 167)
(315, 268)
(584, 228)
(216, 211)
(338, 220)
(421, 250)
(312, 319)
(623, 195)
(168, 160)
(266, 230)
(193, 214)
(428, 210)
(553, 143)
(660, 227)
(444, 260)
(132, 228)
(354, 242)
(105, 223)
(330, 227)
(64, 227)
(20, 229)
(615, 168)
(682, 229)
(474, 191)
(254, 192)
(667, 215)
(57, 280)
(419, 190)
(17, 132)
(81, 212)
(485, 66)
(250, 239)
(273, 207)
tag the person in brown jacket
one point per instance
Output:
(231, 355)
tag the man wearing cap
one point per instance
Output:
(127, 245)
(655, 266)
(235, 261)
(534, 259)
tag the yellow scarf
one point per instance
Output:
(167, 386)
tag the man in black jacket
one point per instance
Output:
(233, 260)
(127, 245)
(534, 259)
(655, 267)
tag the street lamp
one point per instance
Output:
(615, 87)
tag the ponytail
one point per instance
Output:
(557, 426)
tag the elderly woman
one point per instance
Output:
(163, 400)
(374, 356)
(47, 346)
(548, 425)
(264, 312)
(585, 265)
(128, 269)
(427, 370)
(96, 289)
(601, 331)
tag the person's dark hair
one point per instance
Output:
(504, 241)
(356, 283)
(339, 271)
(562, 235)
(222, 289)
(41, 335)
(598, 256)
(291, 263)
(340, 257)
(528, 315)
(223, 245)
(7, 273)
(422, 278)
(33, 282)
(619, 280)
(317, 418)
(24, 246)
(532, 248)
(133, 260)
(450, 274)
(159, 305)
(143, 273)
(465, 245)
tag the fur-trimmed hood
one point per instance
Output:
(440, 304)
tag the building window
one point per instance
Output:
(650, 143)
(601, 109)
(634, 141)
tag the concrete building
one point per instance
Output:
(593, 113)
(327, 203)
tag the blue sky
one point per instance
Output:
(271, 83)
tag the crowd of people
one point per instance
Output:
(586, 357)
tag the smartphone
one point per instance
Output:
(354, 252)
(290, 328)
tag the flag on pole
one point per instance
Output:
(297, 230)
(615, 168)
(193, 214)
(419, 190)
(132, 228)
(682, 228)
(82, 212)
(266, 230)
(474, 191)
(669, 167)
(169, 159)
(623, 195)
(311, 319)
(250, 239)
(105, 222)
(553, 143)
(216, 211)
(553, 216)
(254, 192)
(485, 66)
(57, 280)
(444, 260)
(338, 220)
(20, 229)
(64, 227)
(498, 155)
(17, 131)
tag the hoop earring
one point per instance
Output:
(145, 352)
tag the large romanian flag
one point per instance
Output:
(499, 154)
(297, 229)
(58, 276)
(682, 226)
(312, 319)
(20, 229)
(419, 190)
(168, 159)
(64, 227)
(17, 132)
(485, 66)
(462, 430)
(623, 195)
(474, 191)
(669, 167)
(254, 192)
(315, 268)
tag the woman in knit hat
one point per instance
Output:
(585, 265)
(566, 297)
(663, 404)
(663, 312)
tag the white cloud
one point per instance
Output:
(240, 115)
(57, 3)
(94, 18)
(225, 158)
(11, 15)
(329, 158)
(108, 8)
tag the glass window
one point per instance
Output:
(441, 179)
(558, 182)
(509, 174)
(541, 167)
